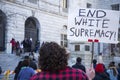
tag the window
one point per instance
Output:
(87, 48)
(33, 1)
(89, 5)
(65, 4)
(77, 47)
(115, 7)
(112, 47)
(64, 40)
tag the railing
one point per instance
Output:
(7, 75)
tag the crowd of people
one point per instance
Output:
(53, 62)
(25, 46)
(103, 73)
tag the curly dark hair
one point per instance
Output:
(52, 57)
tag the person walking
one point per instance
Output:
(13, 43)
(18, 48)
(17, 70)
(78, 64)
(94, 63)
(53, 63)
(25, 45)
(37, 45)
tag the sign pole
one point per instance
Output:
(92, 51)
(98, 47)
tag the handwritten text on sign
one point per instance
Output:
(87, 24)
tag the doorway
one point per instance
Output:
(3, 23)
(32, 30)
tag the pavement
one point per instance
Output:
(9, 62)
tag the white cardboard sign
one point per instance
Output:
(100, 24)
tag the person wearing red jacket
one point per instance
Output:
(13, 42)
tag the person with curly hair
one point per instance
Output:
(53, 63)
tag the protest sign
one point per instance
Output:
(95, 24)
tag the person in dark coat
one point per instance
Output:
(18, 48)
(37, 45)
(30, 45)
(17, 70)
(25, 44)
(94, 63)
(78, 64)
(100, 73)
(32, 64)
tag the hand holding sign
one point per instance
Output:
(90, 72)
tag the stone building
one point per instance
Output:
(43, 20)
(47, 20)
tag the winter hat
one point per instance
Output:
(99, 68)
(100, 59)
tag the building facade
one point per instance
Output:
(37, 19)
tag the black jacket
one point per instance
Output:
(33, 65)
(79, 66)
